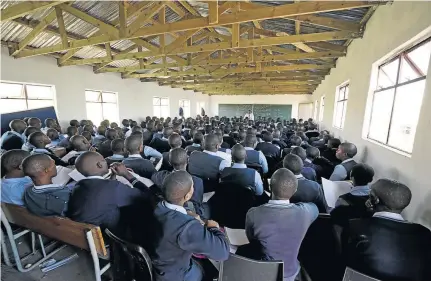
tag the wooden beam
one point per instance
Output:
(61, 27)
(66, 56)
(328, 46)
(243, 83)
(213, 12)
(235, 35)
(174, 7)
(329, 22)
(98, 68)
(24, 8)
(144, 17)
(122, 17)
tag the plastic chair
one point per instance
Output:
(243, 269)
(129, 261)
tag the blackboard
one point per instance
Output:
(41, 113)
(284, 111)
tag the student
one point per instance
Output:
(50, 123)
(308, 172)
(161, 144)
(139, 165)
(352, 205)
(223, 152)
(254, 157)
(321, 165)
(104, 147)
(180, 235)
(148, 151)
(100, 136)
(227, 138)
(113, 125)
(13, 139)
(268, 149)
(27, 132)
(207, 164)
(44, 198)
(295, 141)
(126, 125)
(345, 152)
(198, 138)
(39, 140)
(14, 182)
(277, 141)
(159, 132)
(331, 151)
(79, 144)
(71, 131)
(97, 200)
(275, 230)
(35, 122)
(239, 174)
(53, 136)
(386, 246)
(308, 191)
(178, 159)
(174, 141)
(118, 152)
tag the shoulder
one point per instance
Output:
(307, 207)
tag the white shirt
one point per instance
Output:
(175, 207)
(250, 116)
(389, 215)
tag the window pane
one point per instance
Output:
(343, 117)
(388, 74)
(32, 104)
(110, 112)
(346, 93)
(156, 101)
(338, 114)
(164, 111)
(12, 105)
(421, 57)
(405, 116)
(94, 112)
(341, 93)
(92, 96)
(322, 108)
(109, 97)
(39, 92)
(407, 73)
(11, 90)
(186, 111)
(164, 101)
(187, 103)
(381, 115)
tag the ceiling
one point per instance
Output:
(214, 47)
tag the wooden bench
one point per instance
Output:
(81, 235)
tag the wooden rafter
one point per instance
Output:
(25, 8)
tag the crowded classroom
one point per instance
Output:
(215, 140)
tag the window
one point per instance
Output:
(101, 106)
(199, 106)
(322, 108)
(316, 107)
(397, 98)
(22, 96)
(161, 107)
(185, 105)
(341, 105)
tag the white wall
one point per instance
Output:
(134, 97)
(294, 100)
(390, 27)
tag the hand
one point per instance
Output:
(120, 170)
(196, 216)
(211, 223)
(92, 149)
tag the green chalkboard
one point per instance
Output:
(284, 111)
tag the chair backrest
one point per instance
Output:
(129, 261)
(353, 275)
(58, 228)
(238, 268)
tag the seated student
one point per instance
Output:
(178, 160)
(308, 172)
(139, 165)
(161, 144)
(174, 141)
(100, 136)
(97, 200)
(35, 122)
(277, 141)
(239, 174)
(113, 125)
(295, 141)
(227, 138)
(321, 165)
(104, 147)
(39, 140)
(331, 150)
(79, 144)
(159, 132)
(241, 137)
(13, 139)
(178, 235)
(126, 125)
(27, 132)
(352, 205)
(71, 131)
(87, 135)
(118, 150)
(53, 136)
(223, 152)
(44, 198)
(276, 230)
(50, 123)
(198, 138)
(14, 182)
(386, 246)
(308, 191)
(345, 152)
(207, 164)
(254, 157)
(268, 149)
(148, 151)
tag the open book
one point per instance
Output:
(334, 189)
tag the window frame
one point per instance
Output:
(397, 56)
(160, 105)
(189, 107)
(345, 85)
(321, 108)
(24, 94)
(101, 102)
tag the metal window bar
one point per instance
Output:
(343, 101)
(101, 102)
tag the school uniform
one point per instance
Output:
(114, 158)
(352, 205)
(225, 155)
(160, 144)
(12, 190)
(230, 141)
(139, 165)
(104, 148)
(206, 165)
(342, 171)
(388, 248)
(281, 144)
(72, 154)
(256, 158)
(27, 146)
(309, 173)
(12, 140)
(149, 152)
(58, 161)
(268, 149)
(193, 147)
(179, 236)
(98, 139)
(47, 200)
(166, 165)
(329, 154)
(275, 231)
(309, 192)
(65, 143)
(240, 175)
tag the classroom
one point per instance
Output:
(291, 137)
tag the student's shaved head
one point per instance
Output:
(134, 144)
(392, 194)
(91, 164)
(35, 122)
(79, 143)
(178, 158)
(293, 163)
(39, 165)
(117, 146)
(167, 132)
(12, 159)
(198, 137)
(312, 152)
(346, 150)
(86, 135)
(101, 130)
(18, 125)
(299, 151)
(174, 140)
(250, 140)
(52, 133)
(111, 134)
(176, 186)
(30, 130)
(71, 131)
(283, 184)
(239, 153)
(39, 139)
(211, 142)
